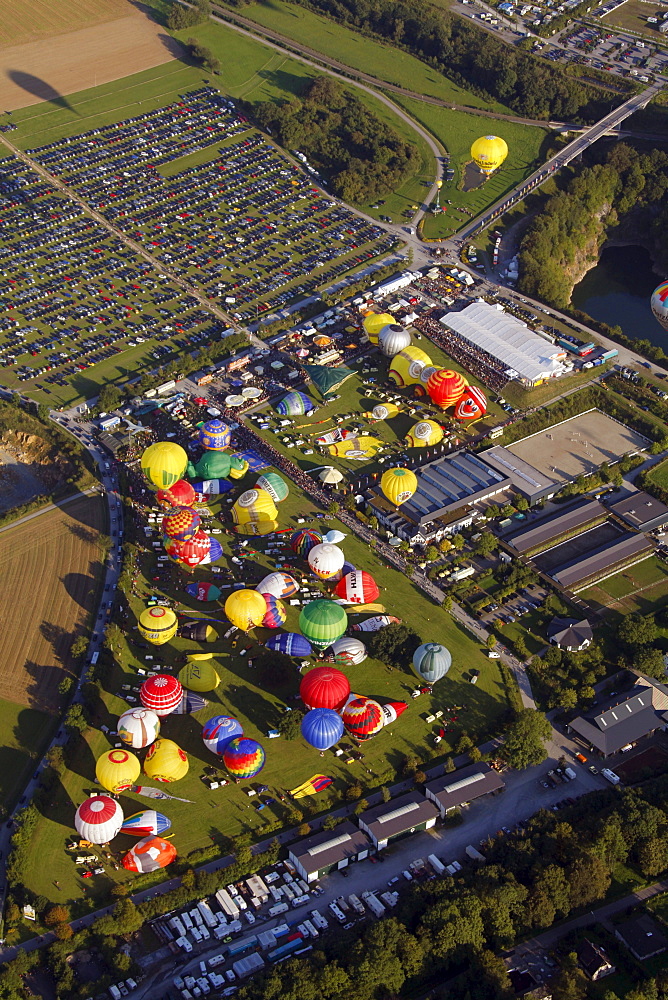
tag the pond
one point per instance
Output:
(617, 292)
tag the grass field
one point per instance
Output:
(633, 15)
(353, 49)
(641, 588)
(52, 567)
(23, 733)
(659, 474)
(32, 19)
(456, 130)
(257, 702)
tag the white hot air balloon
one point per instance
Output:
(99, 819)
(392, 339)
(347, 651)
(325, 560)
(280, 585)
(138, 727)
(333, 536)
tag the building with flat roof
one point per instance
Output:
(569, 633)
(544, 532)
(609, 558)
(397, 818)
(323, 852)
(463, 786)
(625, 721)
(643, 936)
(523, 477)
(524, 355)
(641, 511)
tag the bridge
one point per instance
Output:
(575, 148)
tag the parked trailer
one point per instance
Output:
(610, 776)
(286, 949)
(436, 864)
(570, 773)
(207, 914)
(474, 854)
(356, 904)
(373, 903)
(248, 965)
(242, 945)
(227, 904)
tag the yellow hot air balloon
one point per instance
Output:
(199, 657)
(398, 485)
(163, 464)
(488, 153)
(117, 770)
(158, 625)
(166, 761)
(373, 323)
(199, 676)
(256, 528)
(254, 505)
(384, 411)
(245, 609)
(406, 366)
(424, 434)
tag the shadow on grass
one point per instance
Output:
(39, 88)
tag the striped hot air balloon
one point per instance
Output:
(472, 405)
(304, 540)
(358, 587)
(347, 651)
(362, 717)
(219, 731)
(161, 693)
(276, 613)
(280, 585)
(99, 819)
(445, 387)
(244, 758)
(147, 823)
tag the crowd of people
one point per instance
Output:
(481, 365)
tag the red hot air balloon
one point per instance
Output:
(363, 717)
(357, 587)
(324, 687)
(181, 494)
(445, 387)
(149, 854)
(180, 523)
(161, 693)
(191, 552)
(472, 404)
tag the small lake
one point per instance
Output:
(617, 292)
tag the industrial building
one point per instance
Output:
(463, 786)
(604, 561)
(398, 818)
(443, 502)
(641, 512)
(319, 854)
(644, 711)
(546, 531)
(523, 477)
(522, 354)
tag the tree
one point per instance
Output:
(56, 915)
(289, 724)
(75, 721)
(636, 630)
(650, 661)
(444, 546)
(463, 744)
(588, 879)
(304, 830)
(475, 754)
(361, 807)
(334, 507)
(653, 856)
(78, 647)
(385, 793)
(490, 642)
(63, 932)
(353, 792)
(393, 645)
(431, 553)
(486, 544)
(458, 542)
(208, 60)
(109, 397)
(449, 765)
(525, 737)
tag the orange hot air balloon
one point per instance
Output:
(445, 387)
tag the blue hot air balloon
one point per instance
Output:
(147, 823)
(219, 731)
(290, 643)
(190, 703)
(322, 728)
(295, 404)
(214, 435)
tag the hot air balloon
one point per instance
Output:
(272, 484)
(98, 819)
(199, 676)
(347, 651)
(214, 435)
(398, 485)
(245, 609)
(295, 404)
(488, 153)
(163, 464)
(424, 434)
(117, 770)
(161, 693)
(219, 731)
(334, 536)
(149, 854)
(392, 710)
(158, 625)
(322, 621)
(190, 703)
(373, 323)
(291, 644)
(346, 568)
(181, 494)
(472, 404)
(357, 587)
(203, 591)
(377, 623)
(363, 717)
(406, 366)
(431, 661)
(254, 505)
(276, 613)
(253, 528)
(304, 540)
(239, 467)
(198, 631)
(325, 560)
(147, 823)
(244, 758)
(322, 728)
(659, 304)
(181, 523)
(191, 552)
(324, 687)
(445, 387)
(165, 761)
(279, 585)
(385, 411)
(392, 339)
(138, 727)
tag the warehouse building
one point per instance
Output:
(320, 854)
(523, 477)
(457, 789)
(398, 818)
(641, 512)
(641, 713)
(521, 354)
(544, 532)
(602, 562)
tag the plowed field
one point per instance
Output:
(31, 19)
(51, 571)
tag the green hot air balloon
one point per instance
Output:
(323, 622)
(431, 661)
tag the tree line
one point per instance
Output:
(574, 223)
(362, 157)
